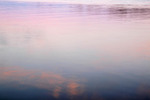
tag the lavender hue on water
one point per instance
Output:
(55, 51)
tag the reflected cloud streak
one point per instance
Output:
(50, 81)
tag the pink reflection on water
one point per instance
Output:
(84, 41)
(45, 80)
(72, 88)
(110, 40)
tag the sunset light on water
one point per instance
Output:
(74, 50)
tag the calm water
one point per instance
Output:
(52, 51)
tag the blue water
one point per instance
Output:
(58, 51)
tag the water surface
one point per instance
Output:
(51, 51)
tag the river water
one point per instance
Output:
(58, 51)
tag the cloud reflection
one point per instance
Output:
(55, 42)
(54, 83)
